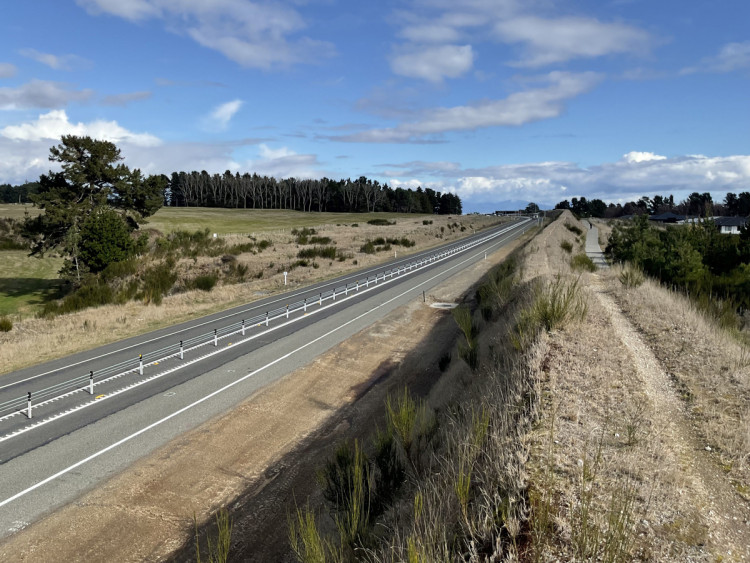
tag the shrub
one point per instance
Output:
(318, 251)
(6, 325)
(573, 229)
(119, 270)
(205, 282)
(427, 222)
(380, 222)
(355, 224)
(567, 246)
(583, 263)
(157, 281)
(367, 247)
(631, 277)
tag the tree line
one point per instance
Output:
(696, 205)
(252, 191)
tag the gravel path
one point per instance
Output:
(593, 250)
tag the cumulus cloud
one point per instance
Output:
(125, 99)
(635, 175)
(57, 62)
(517, 109)
(731, 57)
(550, 41)
(222, 114)
(253, 34)
(434, 63)
(41, 94)
(7, 70)
(284, 163)
(637, 156)
(55, 124)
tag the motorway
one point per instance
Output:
(86, 428)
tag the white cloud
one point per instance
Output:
(434, 63)
(733, 56)
(55, 124)
(624, 180)
(57, 62)
(637, 156)
(7, 70)
(551, 41)
(253, 34)
(222, 114)
(517, 109)
(284, 163)
(125, 99)
(41, 94)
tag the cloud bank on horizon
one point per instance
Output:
(495, 100)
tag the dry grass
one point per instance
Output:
(35, 340)
(709, 368)
(17, 210)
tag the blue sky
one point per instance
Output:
(499, 101)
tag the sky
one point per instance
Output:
(503, 102)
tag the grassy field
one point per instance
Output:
(17, 211)
(246, 221)
(32, 280)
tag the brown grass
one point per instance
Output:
(37, 340)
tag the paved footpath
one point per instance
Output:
(593, 250)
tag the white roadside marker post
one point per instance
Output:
(182, 351)
(91, 382)
(216, 337)
(243, 327)
(28, 405)
(266, 318)
(140, 364)
(285, 274)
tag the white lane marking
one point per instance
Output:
(79, 407)
(220, 390)
(282, 298)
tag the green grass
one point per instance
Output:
(225, 221)
(17, 211)
(33, 279)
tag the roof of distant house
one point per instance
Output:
(730, 221)
(667, 217)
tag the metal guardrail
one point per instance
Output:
(25, 404)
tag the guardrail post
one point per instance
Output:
(334, 294)
(91, 382)
(287, 311)
(346, 289)
(28, 406)
(216, 337)
(367, 282)
(357, 285)
(305, 306)
(320, 299)
(182, 351)
(376, 279)
(266, 318)
(485, 256)
(243, 327)
(140, 364)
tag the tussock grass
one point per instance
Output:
(581, 262)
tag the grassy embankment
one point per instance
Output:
(581, 417)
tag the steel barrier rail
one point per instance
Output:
(87, 382)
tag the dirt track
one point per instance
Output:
(260, 458)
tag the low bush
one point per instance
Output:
(380, 222)
(318, 251)
(427, 222)
(631, 277)
(573, 229)
(368, 247)
(205, 282)
(581, 262)
(157, 281)
(567, 246)
(6, 325)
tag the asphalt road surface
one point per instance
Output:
(74, 443)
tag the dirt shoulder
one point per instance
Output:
(257, 457)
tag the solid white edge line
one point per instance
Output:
(220, 390)
(281, 298)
